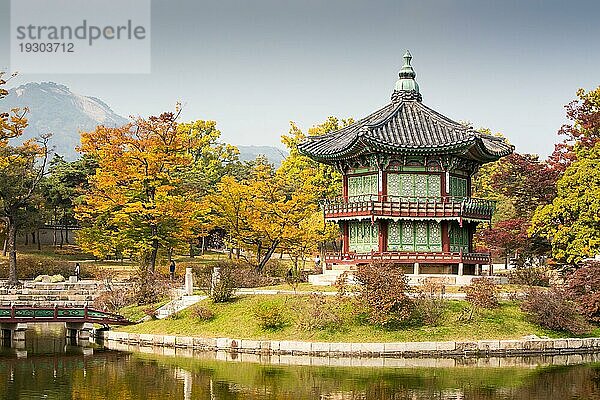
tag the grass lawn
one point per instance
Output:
(135, 313)
(236, 320)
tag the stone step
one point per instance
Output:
(48, 303)
(333, 272)
(322, 280)
(342, 267)
(38, 298)
(31, 292)
(177, 305)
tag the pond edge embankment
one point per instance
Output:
(536, 346)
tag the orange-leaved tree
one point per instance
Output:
(136, 201)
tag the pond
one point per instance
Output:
(47, 366)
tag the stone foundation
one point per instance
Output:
(485, 348)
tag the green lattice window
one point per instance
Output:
(411, 186)
(362, 185)
(459, 238)
(414, 236)
(458, 187)
(364, 236)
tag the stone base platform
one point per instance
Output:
(330, 276)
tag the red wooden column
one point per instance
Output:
(445, 236)
(345, 237)
(345, 187)
(383, 235)
(443, 184)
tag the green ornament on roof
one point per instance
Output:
(407, 75)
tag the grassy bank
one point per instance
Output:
(237, 320)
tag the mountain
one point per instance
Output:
(53, 108)
(275, 155)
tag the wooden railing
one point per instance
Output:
(410, 257)
(397, 206)
(24, 313)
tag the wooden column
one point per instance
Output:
(443, 184)
(345, 236)
(445, 236)
(383, 235)
(345, 187)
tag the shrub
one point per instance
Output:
(322, 313)
(530, 276)
(550, 309)
(482, 293)
(202, 313)
(222, 288)
(270, 315)
(583, 287)
(276, 269)
(383, 290)
(430, 304)
(149, 287)
(247, 277)
(113, 299)
(151, 312)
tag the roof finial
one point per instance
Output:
(406, 87)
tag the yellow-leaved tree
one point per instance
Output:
(137, 201)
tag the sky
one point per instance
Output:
(253, 66)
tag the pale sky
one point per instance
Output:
(255, 65)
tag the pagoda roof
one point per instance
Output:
(405, 126)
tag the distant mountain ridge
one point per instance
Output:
(55, 109)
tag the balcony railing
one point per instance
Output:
(398, 206)
(410, 257)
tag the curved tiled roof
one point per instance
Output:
(405, 126)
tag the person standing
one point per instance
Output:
(77, 270)
(317, 262)
(172, 269)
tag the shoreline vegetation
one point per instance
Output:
(305, 316)
(237, 319)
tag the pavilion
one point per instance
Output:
(407, 173)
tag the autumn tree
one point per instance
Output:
(519, 183)
(21, 170)
(582, 131)
(571, 222)
(269, 210)
(325, 179)
(136, 199)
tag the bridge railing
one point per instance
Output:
(24, 313)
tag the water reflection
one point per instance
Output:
(53, 368)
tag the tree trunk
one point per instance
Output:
(62, 239)
(26, 239)
(153, 255)
(54, 223)
(267, 257)
(203, 244)
(191, 250)
(154, 252)
(5, 247)
(12, 253)
(170, 254)
(39, 244)
(67, 234)
(33, 237)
